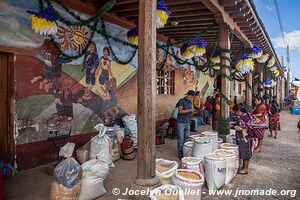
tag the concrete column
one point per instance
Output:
(225, 83)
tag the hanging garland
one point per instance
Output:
(111, 49)
(165, 58)
(81, 22)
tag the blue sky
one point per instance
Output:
(290, 17)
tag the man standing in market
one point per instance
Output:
(185, 109)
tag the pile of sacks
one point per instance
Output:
(72, 181)
(116, 142)
(84, 182)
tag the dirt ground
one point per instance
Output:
(277, 167)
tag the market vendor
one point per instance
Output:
(185, 109)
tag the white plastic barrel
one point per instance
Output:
(235, 148)
(230, 159)
(214, 136)
(202, 146)
(215, 171)
(188, 148)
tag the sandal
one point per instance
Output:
(242, 173)
(257, 150)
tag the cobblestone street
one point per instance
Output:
(276, 167)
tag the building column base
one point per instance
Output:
(143, 186)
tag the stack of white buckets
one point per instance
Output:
(219, 160)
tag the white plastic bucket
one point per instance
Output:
(192, 187)
(202, 147)
(230, 159)
(214, 136)
(215, 171)
(188, 148)
(231, 138)
(235, 148)
(193, 163)
(220, 141)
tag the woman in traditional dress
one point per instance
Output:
(244, 136)
(260, 111)
(274, 118)
(104, 68)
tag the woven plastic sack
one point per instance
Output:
(101, 143)
(93, 174)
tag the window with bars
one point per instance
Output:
(165, 81)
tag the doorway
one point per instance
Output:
(6, 121)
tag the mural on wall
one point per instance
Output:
(57, 92)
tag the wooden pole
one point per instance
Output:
(225, 83)
(146, 89)
(260, 79)
(249, 89)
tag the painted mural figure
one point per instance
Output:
(51, 70)
(104, 68)
(110, 101)
(64, 100)
(90, 64)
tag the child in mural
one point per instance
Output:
(90, 65)
(104, 68)
(110, 101)
(52, 67)
(64, 100)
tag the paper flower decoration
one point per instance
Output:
(271, 62)
(255, 52)
(162, 13)
(245, 64)
(276, 72)
(194, 47)
(187, 50)
(200, 47)
(215, 59)
(132, 36)
(263, 58)
(269, 83)
(43, 22)
(274, 68)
